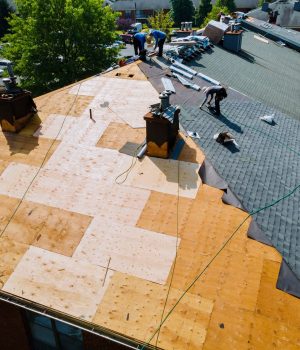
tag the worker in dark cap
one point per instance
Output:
(216, 91)
(139, 40)
(160, 38)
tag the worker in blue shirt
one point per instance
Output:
(139, 40)
(160, 38)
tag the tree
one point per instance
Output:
(204, 8)
(5, 11)
(183, 11)
(162, 21)
(213, 15)
(56, 42)
(230, 4)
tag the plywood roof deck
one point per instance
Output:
(120, 254)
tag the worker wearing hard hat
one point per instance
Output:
(139, 40)
(160, 38)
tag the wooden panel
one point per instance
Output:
(160, 213)
(127, 249)
(134, 307)
(3, 165)
(272, 302)
(269, 334)
(16, 179)
(229, 328)
(7, 208)
(61, 102)
(117, 135)
(121, 96)
(49, 228)
(55, 126)
(162, 175)
(27, 150)
(59, 282)
(33, 124)
(190, 151)
(131, 71)
(10, 254)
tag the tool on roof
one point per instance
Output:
(16, 104)
(162, 126)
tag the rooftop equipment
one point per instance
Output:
(16, 104)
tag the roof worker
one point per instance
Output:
(160, 38)
(216, 91)
(139, 40)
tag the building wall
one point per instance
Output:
(13, 335)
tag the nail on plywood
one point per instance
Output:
(59, 282)
(141, 253)
(117, 135)
(161, 175)
(49, 228)
(11, 253)
(134, 307)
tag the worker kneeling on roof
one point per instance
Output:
(160, 38)
(139, 40)
(218, 92)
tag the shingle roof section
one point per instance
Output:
(266, 72)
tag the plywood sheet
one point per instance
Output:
(55, 126)
(63, 103)
(7, 208)
(190, 152)
(23, 149)
(268, 334)
(33, 124)
(49, 228)
(117, 135)
(272, 302)
(10, 254)
(131, 71)
(145, 254)
(165, 213)
(122, 96)
(3, 165)
(16, 179)
(89, 87)
(59, 282)
(162, 175)
(87, 196)
(134, 307)
(88, 162)
(229, 328)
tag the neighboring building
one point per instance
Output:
(142, 9)
(288, 13)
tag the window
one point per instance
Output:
(49, 334)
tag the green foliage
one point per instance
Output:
(162, 21)
(230, 4)
(213, 15)
(5, 11)
(56, 42)
(204, 8)
(183, 11)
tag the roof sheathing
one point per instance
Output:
(229, 307)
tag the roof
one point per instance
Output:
(268, 73)
(288, 16)
(120, 253)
